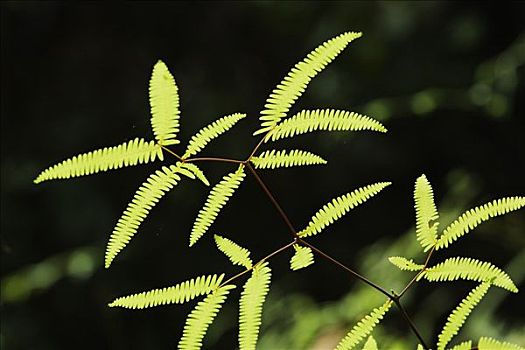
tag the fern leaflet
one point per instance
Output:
(466, 345)
(324, 119)
(196, 171)
(370, 344)
(130, 153)
(426, 213)
(405, 264)
(148, 194)
(201, 317)
(250, 305)
(469, 269)
(473, 217)
(486, 343)
(278, 159)
(164, 103)
(364, 327)
(218, 197)
(177, 294)
(339, 206)
(302, 257)
(294, 84)
(209, 132)
(457, 318)
(237, 254)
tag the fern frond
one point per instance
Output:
(294, 84)
(146, 197)
(302, 257)
(201, 317)
(164, 103)
(278, 159)
(466, 345)
(486, 343)
(237, 254)
(426, 213)
(177, 294)
(370, 344)
(218, 197)
(364, 327)
(209, 132)
(473, 217)
(250, 305)
(130, 153)
(339, 206)
(457, 318)
(405, 264)
(324, 119)
(195, 170)
(469, 269)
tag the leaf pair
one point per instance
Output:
(427, 216)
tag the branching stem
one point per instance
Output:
(214, 159)
(297, 240)
(273, 200)
(269, 256)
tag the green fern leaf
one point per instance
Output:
(302, 257)
(164, 103)
(426, 214)
(457, 318)
(324, 119)
(466, 345)
(218, 197)
(278, 159)
(201, 317)
(473, 217)
(405, 264)
(296, 81)
(195, 170)
(130, 153)
(237, 254)
(146, 197)
(177, 294)
(250, 305)
(209, 132)
(486, 343)
(370, 344)
(339, 206)
(469, 269)
(364, 327)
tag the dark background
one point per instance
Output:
(446, 78)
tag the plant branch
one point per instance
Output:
(410, 323)
(269, 256)
(214, 159)
(418, 274)
(256, 148)
(173, 153)
(347, 269)
(273, 200)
